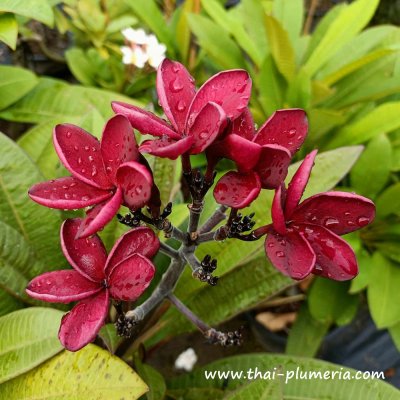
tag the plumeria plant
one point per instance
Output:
(302, 239)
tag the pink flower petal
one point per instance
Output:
(287, 128)
(136, 182)
(340, 212)
(80, 326)
(244, 152)
(176, 89)
(144, 121)
(100, 215)
(118, 144)
(278, 217)
(140, 240)
(130, 278)
(291, 254)
(79, 151)
(87, 256)
(229, 89)
(209, 123)
(298, 183)
(62, 287)
(273, 165)
(244, 125)
(67, 193)
(237, 189)
(335, 258)
(166, 147)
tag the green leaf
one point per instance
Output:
(330, 302)
(281, 48)
(395, 334)
(304, 389)
(35, 9)
(150, 14)
(290, 13)
(79, 65)
(8, 303)
(8, 30)
(271, 86)
(375, 162)
(306, 334)
(365, 265)
(389, 201)
(383, 119)
(346, 25)
(109, 336)
(54, 99)
(30, 243)
(216, 41)
(299, 91)
(91, 373)
(154, 380)
(383, 292)
(234, 26)
(259, 389)
(15, 83)
(182, 31)
(27, 338)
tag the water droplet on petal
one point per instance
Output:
(176, 86)
(331, 222)
(180, 106)
(69, 134)
(362, 221)
(280, 254)
(87, 148)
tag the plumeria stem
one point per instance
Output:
(206, 237)
(218, 216)
(168, 250)
(196, 209)
(193, 318)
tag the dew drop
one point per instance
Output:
(138, 189)
(280, 254)
(270, 245)
(91, 159)
(180, 106)
(203, 135)
(69, 134)
(362, 221)
(79, 161)
(85, 198)
(291, 132)
(351, 223)
(176, 86)
(331, 222)
(83, 170)
(87, 148)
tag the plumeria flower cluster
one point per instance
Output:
(303, 238)
(142, 49)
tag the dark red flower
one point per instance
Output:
(122, 275)
(105, 175)
(262, 157)
(196, 118)
(304, 237)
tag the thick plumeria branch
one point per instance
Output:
(303, 238)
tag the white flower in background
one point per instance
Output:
(186, 360)
(155, 51)
(142, 48)
(135, 56)
(136, 36)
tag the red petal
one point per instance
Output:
(335, 258)
(80, 326)
(210, 121)
(166, 147)
(131, 277)
(118, 144)
(176, 89)
(278, 217)
(340, 212)
(79, 151)
(273, 165)
(237, 189)
(229, 89)
(67, 193)
(62, 287)
(87, 256)
(287, 128)
(244, 125)
(291, 254)
(244, 152)
(140, 240)
(144, 121)
(298, 183)
(99, 216)
(136, 182)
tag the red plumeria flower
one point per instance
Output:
(196, 118)
(123, 276)
(262, 157)
(304, 237)
(105, 175)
